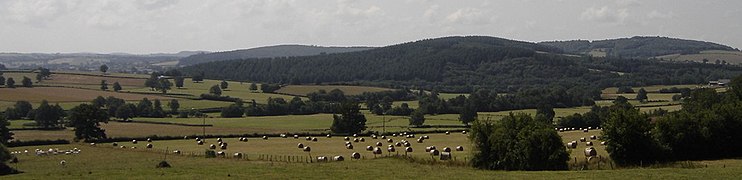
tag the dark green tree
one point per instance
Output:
(100, 102)
(48, 116)
(545, 113)
(157, 110)
(174, 106)
(641, 95)
(5, 133)
(43, 73)
(2, 81)
(103, 69)
(468, 113)
(26, 82)
(103, 85)
(11, 114)
(224, 84)
(253, 87)
(144, 108)
(117, 87)
(198, 77)
(179, 80)
(215, 90)
(417, 118)
(628, 138)
(517, 142)
(350, 120)
(23, 108)
(233, 111)
(10, 83)
(86, 120)
(126, 112)
(163, 85)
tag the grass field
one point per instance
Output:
(58, 94)
(732, 57)
(75, 80)
(303, 90)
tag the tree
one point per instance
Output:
(198, 77)
(10, 83)
(144, 108)
(5, 156)
(2, 80)
(100, 102)
(232, 111)
(253, 87)
(157, 110)
(11, 114)
(179, 81)
(86, 120)
(48, 116)
(545, 113)
(350, 120)
(23, 108)
(103, 85)
(224, 84)
(468, 112)
(174, 105)
(103, 69)
(126, 112)
(628, 138)
(517, 142)
(5, 133)
(641, 95)
(215, 90)
(27, 82)
(417, 118)
(116, 86)
(43, 74)
(163, 85)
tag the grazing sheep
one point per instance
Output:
(265, 137)
(314, 139)
(603, 143)
(346, 138)
(362, 140)
(390, 140)
(149, 140)
(446, 149)
(589, 143)
(390, 149)
(149, 146)
(459, 148)
(593, 137)
(445, 156)
(134, 141)
(349, 146)
(583, 139)
(237, 155)
(200, 143)
(338, 158)
(176, 152)
(377, 150)
(447, 133)
(379, 144)
(434, 152)
(300, 145)
(307, 149)
(296, 136)
(321, 159)
(408, 149)
(355, 155)
(369, 148)
(590, 152)
(212, 146)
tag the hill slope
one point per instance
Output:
(460, 64)
(636, 47)
(267, 52)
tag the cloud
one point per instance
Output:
(605, 15)
(468, 16)
(34, 12)
(658, 15)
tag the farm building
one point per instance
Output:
(719, 83)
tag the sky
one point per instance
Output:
(168, 26)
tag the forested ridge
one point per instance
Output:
(463, 64)
(266, 52)
(637, 47)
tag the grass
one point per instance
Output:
(235, 89)
(732, 57)
(59, 94)
(303, 90)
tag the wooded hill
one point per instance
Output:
(266, 52)
(636, 47)
(461, 64)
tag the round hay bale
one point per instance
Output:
(373, 136)
(176, 152)
(265, 137)
(115, 144)
(426, 137)
(434, 152)
(237, 155)
(585, 130)
(445, 156)
(122, 146)
(593, 137)
(420, 140)
(185, 137)
(283, 136)
(446, 149)
(583, 139)
(223, 146)
(220, 154)
(459, 148)
(603, 143)
(346, 138)
(408, 149)
(394, 135)
(308, 138)
(349, 146)
(356, 140)
(198, 138)
(348, 142)
(362, 140)
(92, 144)
(149, 146)
(200, 142)
(134, 141)
(369, 148)
(589, 143)
(314, 139)
(355, 135)
(296, 136)
(447, 133)
(390, 140)
(321, 159)
(329, 136)
(572, 145)
(377, 150)
(390, 149)
(591, 152)
(379, 144)
(218, 139)
(338, 158)
(355, 155)
(307, 149)
(212, 146)
(407, 144)
(383, 137)
(398, 144)
(463, 132)
(300, 145)
(149, 140)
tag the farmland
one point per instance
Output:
(303, 90)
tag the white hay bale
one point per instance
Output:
(176, 152)
(446, 149)
(314, 139)
(114, 144)
(572, 145)
(463, 132)
(237, 155)
(223, 146)
(218, 139)
(296, 136)
(362, 140)
(398, 144)
(92, 144)
(308, 138)
(377, 150)
(300, 145)
(447, 133)
(407, 144)
(445, 156)
(390, 140)
(149, 140)
(591, 152)
(373, 136)
(394, 135)
(585, 130)
(220, 154)
(603, 143)
(198, 139)
(133, 147)
(379, 144)
(212, 146)
(307, 149)
(321, 159)
(338, 158)
(356, 140)
(265, 137)
(349, 146)
(390, 149)
(593, 137)
(459, 148)
(283, 136)
(200, 142)
(122, 147)
(369, 148)
(355, 155)
(426, 137)
(134, 141)
(63, 162)
(355, 135)
(383, 137)
(185, 137)
(589, 143)
(348, 142)
(408, 149)
(346, 138)
(583, 139)
(329, 136)
(149, 146)
(434, 152)
(420, 140)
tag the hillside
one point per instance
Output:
(266, 52)
(460, 64)
(636, 47)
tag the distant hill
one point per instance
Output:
(461, 64)
(636, 47)
(267, 52)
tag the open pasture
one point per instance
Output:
(59, 94)
(303, 90)
(79, 80)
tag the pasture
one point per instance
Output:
(60, 94)
(303, 90)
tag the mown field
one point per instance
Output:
(303, 90)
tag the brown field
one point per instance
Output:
(84, 79)
(59, 94)
(303, 90)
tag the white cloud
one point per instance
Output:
(658, 15)
(469, 16)
(605, 15)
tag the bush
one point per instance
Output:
(517, 142)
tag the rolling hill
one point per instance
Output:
(266, 52)
(636, 47)
(461, 64)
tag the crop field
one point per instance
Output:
(58, 94)
(303, 90)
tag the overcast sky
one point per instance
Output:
(150, 26)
